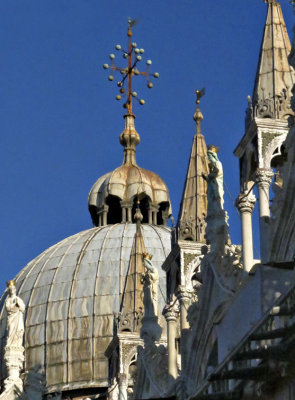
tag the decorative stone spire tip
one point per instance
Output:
(198, 116)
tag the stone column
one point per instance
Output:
(184, 297)
(126, 207)
(154, 208)
(129, 213)
(245, 205)
(105, 215)
(171, 315)
(124, 215)
(123, 386)
(150, 212)
(99, 218)
(263, 180)
(102, 215)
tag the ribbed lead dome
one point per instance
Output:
(71, 292)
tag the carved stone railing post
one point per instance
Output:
(263, 180)
(171, 316)
(245, 205)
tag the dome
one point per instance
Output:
(112, 198)
(125, 183)
(71, 292)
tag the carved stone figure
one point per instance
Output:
(14, 351)
(34, 383)
(215, 178)
(217, 226)
(150, 288)
(15, 321)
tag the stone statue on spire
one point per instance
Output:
(151, 283)
(215, 178)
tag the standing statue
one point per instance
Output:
(15, 317)
(215, 178)
(217, 227)
(14, 351)
(150, 288)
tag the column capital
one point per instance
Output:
(126, 203)
(154, 207)
(263, 176)
(245, 203)
(171, 312)
(103, 208)
(183, 294)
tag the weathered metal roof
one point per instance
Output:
(71, 292)
(126, 182)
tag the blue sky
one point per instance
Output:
(60, 121)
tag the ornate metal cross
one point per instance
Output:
(133, 56)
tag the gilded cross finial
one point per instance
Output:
(133, 55)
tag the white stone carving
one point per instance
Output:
(245, 203)
(217, 226)
(150, 288)
(215, 190)
(14, 351)
(15, 323)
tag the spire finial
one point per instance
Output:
(198, 116)
(270, 1)
(133, 55)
